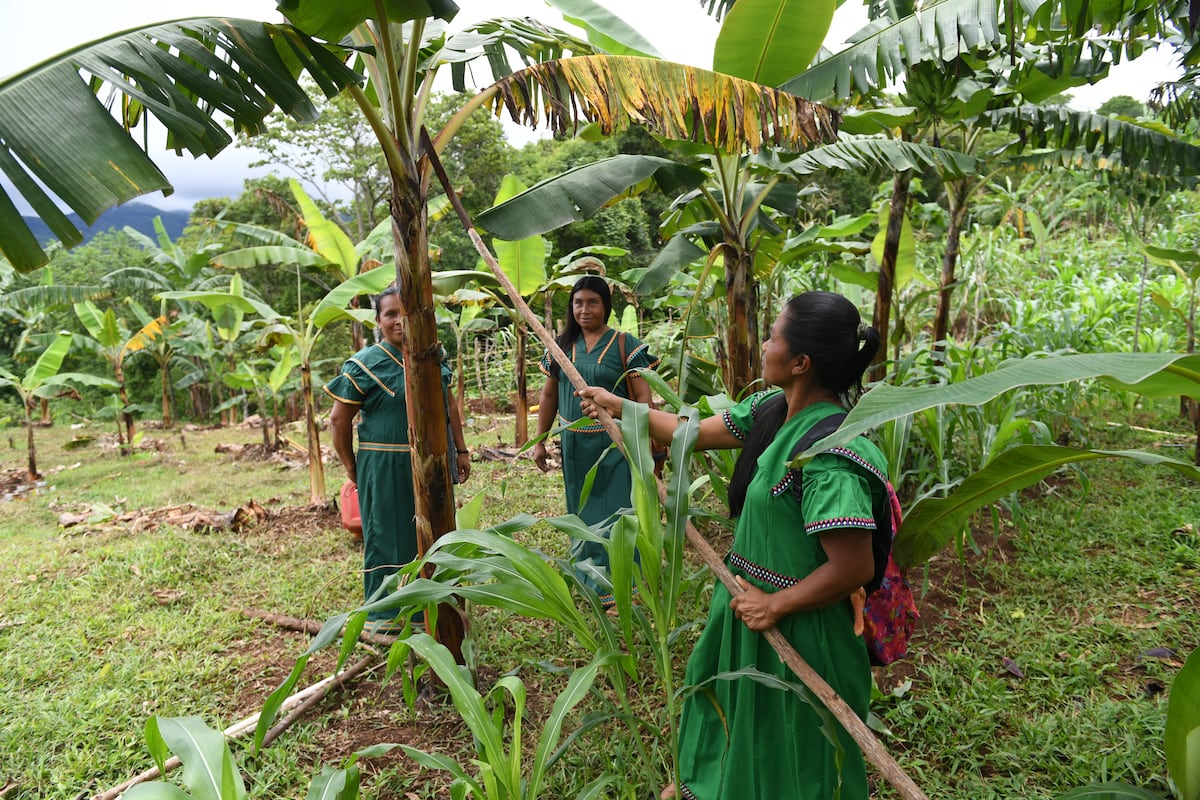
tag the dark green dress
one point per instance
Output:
(740, 740)
(373, 380)
(582, 447)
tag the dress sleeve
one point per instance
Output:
(837, 494)
(740, 419)
(544, 364)
(638, 355)
(351, 384)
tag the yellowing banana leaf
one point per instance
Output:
(671, 100)
(148, 333)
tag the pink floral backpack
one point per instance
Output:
(888, 608)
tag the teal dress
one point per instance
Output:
(373, 380)
(739, 739)
(582, 447)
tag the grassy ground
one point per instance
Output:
(1043, 659)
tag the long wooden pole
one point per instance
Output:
(873, 751)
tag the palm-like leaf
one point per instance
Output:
(674, 101)
(183, 73)
(861, 153)
(1080, 132)
(940, 32)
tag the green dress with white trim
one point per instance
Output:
(739, 739)
(373, 380)
(583, 447)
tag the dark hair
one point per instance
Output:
(571, 329)
(826, 327)
(391, 291)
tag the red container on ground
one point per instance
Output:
(351, 518)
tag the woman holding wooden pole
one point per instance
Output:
(797, 562)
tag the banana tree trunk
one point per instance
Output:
(126, 417)
(881, 318)
(432, 487)
(46, 420)
(316, 467)
(522, 404)
(957, 193)
(168, 419)
(742, 354)
(33, 471)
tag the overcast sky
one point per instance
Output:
(680, 29)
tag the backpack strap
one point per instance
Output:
(621, 350)
(881, 540)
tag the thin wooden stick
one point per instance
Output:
(872, 749)
(336, 682)
(312, 627)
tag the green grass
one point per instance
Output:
(106, 626)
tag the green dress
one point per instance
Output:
(739, 739)
(582, 447)
(373, 380)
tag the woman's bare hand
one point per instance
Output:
(593, 398)
(539, 456)
(753, 606)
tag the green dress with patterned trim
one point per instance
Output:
(739, 739)
(373, 380)
(582, 447)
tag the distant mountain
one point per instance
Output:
(139, 216)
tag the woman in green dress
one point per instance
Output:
(371, 382)
(602, 356)
(796, 562)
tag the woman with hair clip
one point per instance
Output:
(602, 356)
(372, 382)
(797, 562)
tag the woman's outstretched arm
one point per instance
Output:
(713, 434)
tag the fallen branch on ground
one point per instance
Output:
(297, 703)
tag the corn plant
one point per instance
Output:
(211, 772)
(503, 772)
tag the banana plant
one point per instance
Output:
(183, 72)
(42, 380)
(266, 377)
(959, 59)
(111, 341)
(163, 349)
(935, 521)
(524, 262)
(325, 247)
(300, 333)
